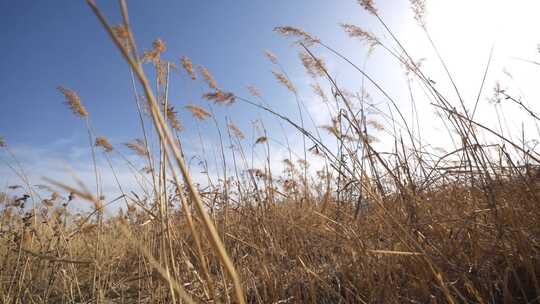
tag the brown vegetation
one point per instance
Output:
(400, 226)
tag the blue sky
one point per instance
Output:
(51, 43)
(62, 43)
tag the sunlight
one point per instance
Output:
(484, 22)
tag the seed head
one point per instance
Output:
(122, 34)
(188, 66)
(368, 6)
(220, 97)
(104, 143)
(2, 142)
(332, 129)
(356, 32)
(271, 56)
(281, 78)
(301, 35)
(254, 91)
(159, 46)
(161, 71)
(198, 112)
(212, 84)
(173, 119)
(138, 147)
(314, 66)
(419, 10)
(236, 131)
(154, 55)
(319, 91)
(74, 102)
(150, 56)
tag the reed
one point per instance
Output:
(353, 221)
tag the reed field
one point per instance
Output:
(364, 211)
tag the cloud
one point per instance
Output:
(37, 163)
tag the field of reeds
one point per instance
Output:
(397, 222)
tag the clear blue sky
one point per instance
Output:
(51, 43)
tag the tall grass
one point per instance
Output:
(403, 225)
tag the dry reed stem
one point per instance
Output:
(165, 135)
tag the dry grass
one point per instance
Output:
(399, 226)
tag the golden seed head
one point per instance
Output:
(198, 112)
(154, 55)
(236, 131)
(74, 102)
(254, 91)
(104, 143)
(356, 32)
(212, 84)
(284, 81)
(314, 66)
(159, 46)
(122, 34)
(304, 37)
(138, 147)
(368, 5)
(271, 56)
(173, 119)
(161, 71)
(150, 56)
(220, 97)
(188, 66)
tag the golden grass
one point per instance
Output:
(403, 226)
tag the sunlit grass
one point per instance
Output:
(408, 224)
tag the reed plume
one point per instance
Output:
(319, 91)
(314, 66)
(187, 64)
(301, 35)
(208, 78)
(104, 143)
(281, 78)
(254, 91)
(368, 5)
(74, 102)
(173, 119)
(271, 56)
(122, 34)
(154, 55)
(356, 32)
(420, 11)
(220, 97)
(138, 146)
(236, 131)
(198, 112)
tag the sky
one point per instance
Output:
(52, 43)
